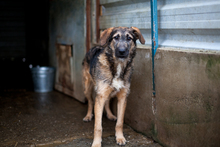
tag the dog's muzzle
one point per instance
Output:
(121, 52)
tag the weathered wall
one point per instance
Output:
(67, 27)
(187, 97)
(139, 102)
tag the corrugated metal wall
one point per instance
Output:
(12, 29)
(191, 24)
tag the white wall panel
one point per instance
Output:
(182, 23)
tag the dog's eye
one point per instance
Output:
(129, 38)
(116, 37)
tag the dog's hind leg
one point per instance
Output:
(88, 93)
(109, 114)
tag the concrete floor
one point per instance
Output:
(54, 119)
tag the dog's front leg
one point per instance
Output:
(121, 106)
(99, 104)
(101, 98)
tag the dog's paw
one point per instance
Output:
(121, 141)
(96, 145)
(88, 118)
(112, 117)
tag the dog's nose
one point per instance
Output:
(121, 51)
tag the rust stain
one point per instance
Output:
(64, 70)
(154, 43)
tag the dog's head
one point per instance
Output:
(121, 40)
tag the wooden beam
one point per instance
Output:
(97, 20)
(88, 25)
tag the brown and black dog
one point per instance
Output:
(108, 69)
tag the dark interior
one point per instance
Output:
(23, 41)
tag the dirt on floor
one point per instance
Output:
(54, 119)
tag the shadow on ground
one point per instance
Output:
(54, 119)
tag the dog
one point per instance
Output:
(107, 68)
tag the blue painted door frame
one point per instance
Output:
(154, 37)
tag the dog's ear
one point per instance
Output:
(105, 35)
(138, 34)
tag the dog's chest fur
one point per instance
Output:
(117, 82)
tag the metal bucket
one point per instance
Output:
(43, 78)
